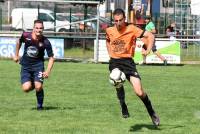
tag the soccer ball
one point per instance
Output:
(117, 78)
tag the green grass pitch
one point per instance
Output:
(80, 100)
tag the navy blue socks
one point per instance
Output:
(40, 98)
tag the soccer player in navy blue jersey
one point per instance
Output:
(32, 61)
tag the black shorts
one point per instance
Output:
(126, 65)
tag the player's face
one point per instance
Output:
(173, 25)
(119, 21)
(38, 29)
(146, 20)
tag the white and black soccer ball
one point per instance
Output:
(117, 78)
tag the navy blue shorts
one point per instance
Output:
(126, 65)
(32, 74)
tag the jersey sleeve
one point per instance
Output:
(48, 48)
(152, 26)
(107, 36)
(22, 38)
(137, 32)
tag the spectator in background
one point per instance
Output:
(139, 17)
(171, 33)
(150, 27)
(170, 30)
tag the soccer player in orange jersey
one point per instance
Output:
(120, 41)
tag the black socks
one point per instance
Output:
(148, 105)
(40, 98)
(121, 97)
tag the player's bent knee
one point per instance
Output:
(140, 94)
(38, 87)
(26, 88)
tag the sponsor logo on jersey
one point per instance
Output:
(32, 51)
(28, 39)
(40, 44)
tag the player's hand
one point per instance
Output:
(16, 59)
(45, 74)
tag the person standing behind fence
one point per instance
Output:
(32, 61)
(170, 30)
(120, 42)
(151, 28)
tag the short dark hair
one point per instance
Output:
(148, 17)
(119, 11)
(38, 21)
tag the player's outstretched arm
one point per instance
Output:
(49, 67)
(18, 46)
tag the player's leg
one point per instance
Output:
(159, 55)
(27, 86)
(137, 86)
(113, 63)
(144, 48)
(26, 80)
(39, 94)
(39, 87)
(121, 97)
(144, 56)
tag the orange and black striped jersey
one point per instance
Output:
(122, 44)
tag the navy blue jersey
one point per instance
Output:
(34, 50)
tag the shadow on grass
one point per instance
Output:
(55, 108)
(141, 127)
(157, 64)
